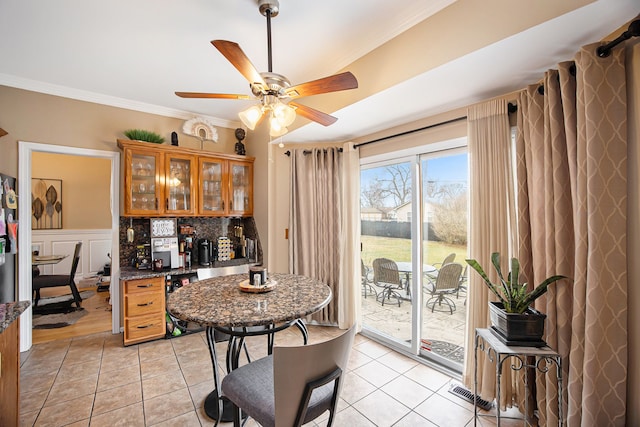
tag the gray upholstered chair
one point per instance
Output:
(55, 280)
(293, 386)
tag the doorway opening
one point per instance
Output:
(25, 238)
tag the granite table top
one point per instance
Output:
(220, 302)
(10, 311)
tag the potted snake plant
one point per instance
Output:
(513, 319)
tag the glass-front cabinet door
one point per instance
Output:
(240, 190)
(211, 191)
(179, 180)
(143, 174)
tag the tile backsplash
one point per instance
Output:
(204, 227)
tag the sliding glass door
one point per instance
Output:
(413, 215)
(444, 237)
(387, 230)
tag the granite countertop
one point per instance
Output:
(220, 302)
(130, 273)
(10, 311)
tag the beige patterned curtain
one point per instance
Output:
(572, 193)
(491, 229)
(316, 220)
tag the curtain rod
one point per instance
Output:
(633, 31)
(512, 109)
(305, 152)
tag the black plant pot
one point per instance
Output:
(524, 330)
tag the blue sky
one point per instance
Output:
(444, 169)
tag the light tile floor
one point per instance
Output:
(95, 380)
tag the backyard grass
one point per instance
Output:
(399, 250)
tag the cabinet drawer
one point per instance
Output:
(144, 285)
(138, 304)
(144, 328)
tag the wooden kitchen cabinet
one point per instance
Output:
(180, 184)
(144, 309)
(164, 180)
(225, 187)
(143, 181)
(10, 375)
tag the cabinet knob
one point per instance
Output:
(145, 304)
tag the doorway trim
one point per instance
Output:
(25, 150)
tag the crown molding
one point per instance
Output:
(112, 101)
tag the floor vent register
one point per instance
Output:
(465, 394)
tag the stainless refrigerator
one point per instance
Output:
(8, 239)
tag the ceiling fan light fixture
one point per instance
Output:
(251, 116)
(284, 113)
(277, 128)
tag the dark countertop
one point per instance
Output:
(10, 311)
(220, 302)
(130, 273)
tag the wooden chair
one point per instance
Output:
(55, 280)
(293, 386)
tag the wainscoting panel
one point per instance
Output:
(96, 245)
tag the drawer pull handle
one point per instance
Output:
(145, 326)
(145, 304)
(148, 285)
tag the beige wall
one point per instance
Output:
(35, 117)
(85, 187)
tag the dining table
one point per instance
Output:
(407, 268)
(37, 260)
(231, 306)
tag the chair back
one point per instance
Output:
(385, 271)
(449, 259)
(294, 367)
(75, 261)
(448, 277)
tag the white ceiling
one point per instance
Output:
(137, 53)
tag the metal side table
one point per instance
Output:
(487, 342)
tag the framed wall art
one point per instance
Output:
(46, 204)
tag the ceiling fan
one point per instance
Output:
(274, 91)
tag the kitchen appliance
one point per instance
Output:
(8, 239)
(205, 252)
(142, 261)
(164, 241)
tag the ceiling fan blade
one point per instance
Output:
(212, 95)
(337, 82)
(238, 59)
(313, 114)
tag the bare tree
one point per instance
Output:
(449, 221)
(398, 183)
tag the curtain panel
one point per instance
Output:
(571, 155)
(316, 221)
(492, 221)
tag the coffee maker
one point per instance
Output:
(205, 252)
(164, 241)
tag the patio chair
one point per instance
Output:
(293, 386)
(367, 288)
(387, 277)
(447, 260)
(463, 283)
(446, 284)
